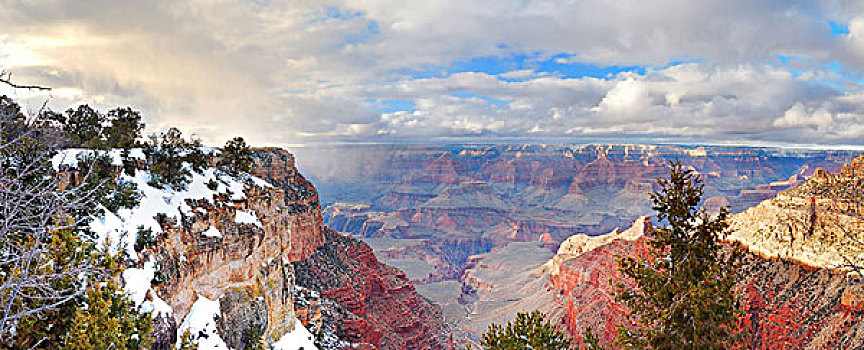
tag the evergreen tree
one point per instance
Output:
(236, 157)
(167, 153)
(84, 127)
(590, 341)
(100, 177)
(685, 292)
(125, 128)
(252, 336)
(186, 342)
(527, 331)
(108, 320)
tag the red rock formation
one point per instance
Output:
(383, 308)
(785, 305)
(587, 282)
(277, 167)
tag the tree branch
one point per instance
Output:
(6, 78)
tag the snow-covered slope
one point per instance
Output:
(215, 212)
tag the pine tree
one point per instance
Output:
(685, 292)
(108, 320)
(252, 336)
(84, 127)
(167, 155)
(236, 156)
(527, 331)
(125, 128)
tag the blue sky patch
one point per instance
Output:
(560, 65)
(838, 29)
(487, 99)
(391, 105)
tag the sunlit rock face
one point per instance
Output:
(378, 305)
(237, 249)
(792, 295)
(807, 224)
(229, 252)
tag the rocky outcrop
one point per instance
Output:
(788, 306)
(584, 272)
(784, 304)
(246, 264)
(383, 308)
(247, 252)
(300, 198)
(807, 224)
(793, 296)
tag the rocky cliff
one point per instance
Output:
(227, 258)
(378, 306)
(785, 305)
(795, 293)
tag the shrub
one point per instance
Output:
(236, 157)
(527, 331)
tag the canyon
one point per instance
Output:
(459, 220)
(449, 241)
(796, 291)
(236, 259)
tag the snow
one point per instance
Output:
(246, 217)
(201, 324)
(137, 285)
(298, 339)
(116, 232)
(212, 232)
(71, 156)
(120, 229)
(257, 181)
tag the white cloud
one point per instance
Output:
(800, 116)
(302, 71)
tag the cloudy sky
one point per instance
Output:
(306, 72)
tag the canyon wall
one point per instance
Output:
(795, 292)
(232, 255)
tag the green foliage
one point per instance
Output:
(101, 318)
(196, 158)
(125, 128)
(62, 294)
(528, 331)
(590, 341)
(49, 328)
(99, 175)
(167, 151)
(186, 342)
(83, 127)
(144, 239)
(685, 296)
(236, 157)
(158, 276)
(108, 320)
(253, 336)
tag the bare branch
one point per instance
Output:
(6, 78)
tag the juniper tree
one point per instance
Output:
(527, 331)
(125, 128)
(167, 151)
(83, 126)
(236, 156)
(685, 291)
